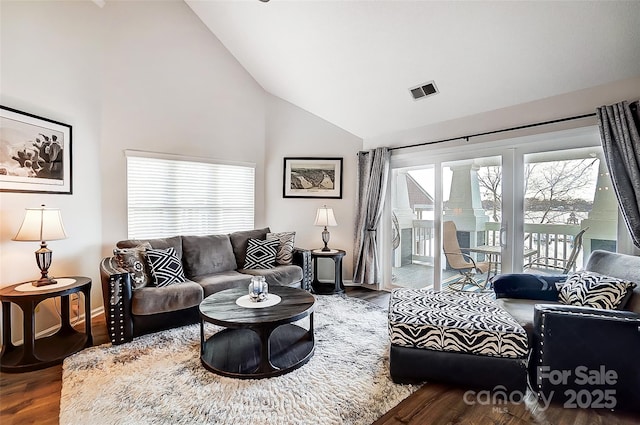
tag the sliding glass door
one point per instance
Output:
(541, 201)
(569, 208)
(471, 222)
(466, 194)
(414, 250)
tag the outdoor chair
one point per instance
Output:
(463, 263)
(552, 265)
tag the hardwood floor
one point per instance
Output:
(34, 398)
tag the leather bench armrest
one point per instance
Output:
(302, 258)
(117, 295)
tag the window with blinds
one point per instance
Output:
(170, 196)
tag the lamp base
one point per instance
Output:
(44, 282)
(43, 258)
(325, 239)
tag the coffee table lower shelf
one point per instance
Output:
(238, 353)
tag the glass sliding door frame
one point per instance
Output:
(512, 152)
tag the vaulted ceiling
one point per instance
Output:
(352, 62)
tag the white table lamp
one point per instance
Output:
(42, 224)
(325, 217)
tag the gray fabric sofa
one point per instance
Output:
(211, 264)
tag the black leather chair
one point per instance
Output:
(581, 357)
(585, 357)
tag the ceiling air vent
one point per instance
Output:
(423, 90)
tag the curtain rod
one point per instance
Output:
(577, 117)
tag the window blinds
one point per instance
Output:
(169, 197)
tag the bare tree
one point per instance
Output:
(490, 179)
(553, 186)
(550, 188)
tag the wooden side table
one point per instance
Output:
(322, 288)
(43, 352)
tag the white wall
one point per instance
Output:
(170, 86)
(132, 75)
(567, 105)
(50, 66)
(293, 132)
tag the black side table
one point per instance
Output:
(40, 353)
(322, 288)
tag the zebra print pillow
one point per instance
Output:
(589, 289)
(460, 322)
(285, 248)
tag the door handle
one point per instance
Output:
(503, 231)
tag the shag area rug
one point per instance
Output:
(158, 378)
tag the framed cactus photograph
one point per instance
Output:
(35, 153)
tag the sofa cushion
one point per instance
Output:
(165, 266)
(590, 289)
(224, 280)
(202, 255)
(162, 243)
(280, 275)
(152, 300)
(261, 254)
(134, 261)
(285, 246)
(240, 240)
(522, 310)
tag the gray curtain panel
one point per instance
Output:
(373, 172)
(619, 131)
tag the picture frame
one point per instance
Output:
(35, 153)
(309, 177)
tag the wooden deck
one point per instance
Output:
(419, 276)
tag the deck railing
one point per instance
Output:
(550, 240)
(423, 237)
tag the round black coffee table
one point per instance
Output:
(257, 342)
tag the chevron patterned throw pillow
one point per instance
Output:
(261, 254)
(166, 268)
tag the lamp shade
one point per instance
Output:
(325, 217)
(41, 224)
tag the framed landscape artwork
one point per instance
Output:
(312, 178)
(35, 153)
